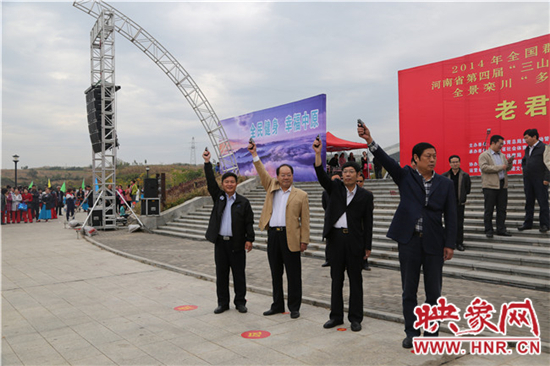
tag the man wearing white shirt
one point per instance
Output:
(348, 229)
(285, 215)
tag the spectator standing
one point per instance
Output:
(9, 197)
(47, 204)
(535, 181)
(60, 199)
(462, 183)
(377, 168)
(70, 203)
(365, 165)
(4, 204)
(494, 181)
(35, 203)
(27, 199)
(16, 199)
(351, 157)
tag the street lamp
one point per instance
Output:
(15, 160)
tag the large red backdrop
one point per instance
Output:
(452, 103)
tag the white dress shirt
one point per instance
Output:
(343, 220)
(278, 215)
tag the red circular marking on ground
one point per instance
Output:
(341, 329)
(185, 307)
(255, 334)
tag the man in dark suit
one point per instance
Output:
(535, 181)
(348, 230)
(423, 242)
(324, 203)
(231, 229)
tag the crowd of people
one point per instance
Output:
(427, 225)
(33, 204)
(336, 162)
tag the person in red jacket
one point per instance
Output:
(27, 199)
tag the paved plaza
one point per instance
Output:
(66, 301)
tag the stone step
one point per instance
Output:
(383, 247)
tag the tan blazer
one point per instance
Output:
(297, 210)
(489, 170)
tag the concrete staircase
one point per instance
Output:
(522, 260)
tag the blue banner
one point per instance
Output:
(283, 135)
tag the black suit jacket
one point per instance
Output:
(359, 213)
(533, 166)
(242, 216)
(412, 206)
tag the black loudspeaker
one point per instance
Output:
(150, 206)
(97, 218)
(93, 107)
(151, 188)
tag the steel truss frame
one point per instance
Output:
(175, 72)
(102, 60)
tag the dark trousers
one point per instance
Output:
(281, 259)
(344, 256)
(227, 259)
(35, 210)
(70, 211)
(534, 189)
(498, 198)
(460, 223)
(378, 173)
(413, 258)
(59, 208)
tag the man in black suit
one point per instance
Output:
(348, 230)
(324, 203)
(231, 230)
(535, 181)
(423, 242)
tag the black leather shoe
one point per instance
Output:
(294, 314)
(460, 247)
(355, 326)
(407, 342)
(271, 312)
(366, 266)
(326, 264)
(241, 308)
(332, 323)
(524, 227)
(543, 229)
(489, 235)
(504, 233)
(220, 309)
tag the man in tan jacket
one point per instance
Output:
(494, 181)
(285, 215)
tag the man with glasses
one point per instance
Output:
(348, 230)
(461, 181)
(285, 215)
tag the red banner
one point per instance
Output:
(452, 104)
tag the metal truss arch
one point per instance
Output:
(175, 72)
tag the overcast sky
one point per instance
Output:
(244, 57)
